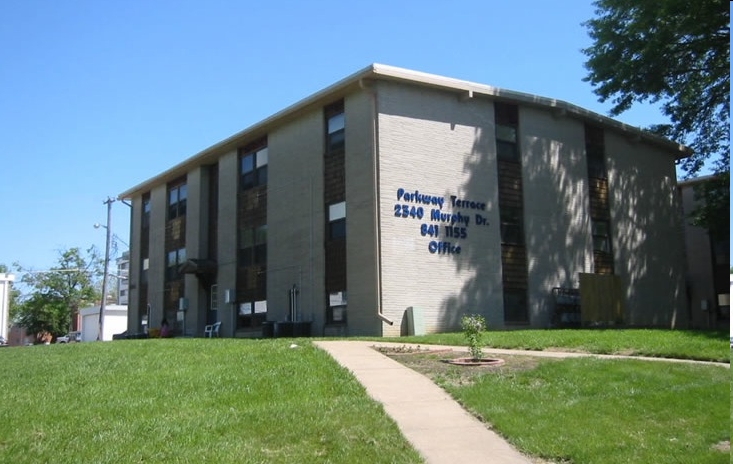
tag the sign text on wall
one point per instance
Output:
(446, 229)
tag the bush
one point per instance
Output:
(473, 326)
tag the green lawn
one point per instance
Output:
(188, 400)
(683, 344)
(595, 411)
(225, 400)
(602, 411)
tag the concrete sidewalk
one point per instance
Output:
(436, 425)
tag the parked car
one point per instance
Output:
(69, 337)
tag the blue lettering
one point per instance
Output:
(459, 203)
(443, 248)
(417, 197)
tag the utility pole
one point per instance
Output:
(105, 274)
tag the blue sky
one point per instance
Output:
(98, 96)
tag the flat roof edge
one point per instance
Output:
(386, 72)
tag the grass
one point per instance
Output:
(599, 411)
(189, 400)
(590, 410)
(225, 400)
(682, 344)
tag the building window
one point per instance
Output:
(335, 128)
(337, 220)
(507, 121)
(146, 210)
(214, 292)
(506, 143)
(253, 169)
(177, 201)
(601, 236)
(174, 259)
(336, 311)
(594, 149)
(251, 314)
(511, 225)
(253, 246)
(144, 270)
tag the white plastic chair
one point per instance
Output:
(212, 330)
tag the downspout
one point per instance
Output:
(377, 233)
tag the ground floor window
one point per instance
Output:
(336, 311)
(251, 314)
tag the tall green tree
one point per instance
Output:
(58, 294)
(674, 53)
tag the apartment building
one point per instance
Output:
(395, 199)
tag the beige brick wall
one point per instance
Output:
(295, 218)
(135, 312)
(227, 238)
(647, 236)
(434, 143)
(156, 272)
(556, 218)
(438, 144)
(361, 228)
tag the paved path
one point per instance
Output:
(436, 425)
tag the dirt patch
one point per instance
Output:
(435, 365)
(723, 446)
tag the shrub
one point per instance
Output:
(473, 326)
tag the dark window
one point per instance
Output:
(251, 314)
(594, 150)
(601, 236)
(173, 260)
(146, 210)
(506, 143)
(177, 197)
(506, 118)
(253, 168)
(337, 220)
(335, 125)
(145, 264)
(511, 225)
(253, 246)
(336, 310)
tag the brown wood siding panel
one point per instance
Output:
(252, 283)
(598, 195)
(213, 211)
(173, 291)
(251, 213)
(510, 185)
(335, 265)
(334, 191)
(603, 262)
(514, 266)
(334, 180)
(252, 207)
(175, 234)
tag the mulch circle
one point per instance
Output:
(475, 362)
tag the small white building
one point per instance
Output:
(115, 321)
(6, 281)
